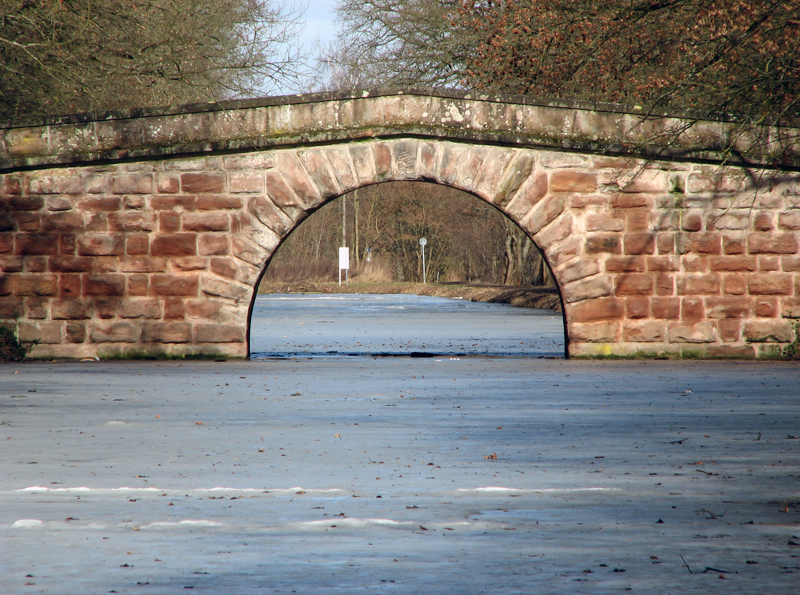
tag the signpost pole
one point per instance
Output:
(422, 242)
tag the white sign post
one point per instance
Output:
(422, 242)
(344, 263)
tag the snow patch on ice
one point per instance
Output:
(27, 523)
(352, 522)
(116, 423)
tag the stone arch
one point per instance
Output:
(506, 178)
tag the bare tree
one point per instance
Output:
(66, 56)
(394, 43)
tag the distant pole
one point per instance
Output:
(422, 242)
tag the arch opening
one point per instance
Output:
(479, 263)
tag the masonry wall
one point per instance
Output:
(162, 255)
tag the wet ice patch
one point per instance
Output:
(498, 489)
(194, 491)
(186, 523)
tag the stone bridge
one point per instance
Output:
(146, 232)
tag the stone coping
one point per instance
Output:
(293, 120)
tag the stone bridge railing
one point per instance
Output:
(147, 232)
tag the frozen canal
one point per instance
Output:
(340, 324)
(399, 475)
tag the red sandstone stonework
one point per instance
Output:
(162, 255)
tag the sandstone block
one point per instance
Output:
(595, 332)
(604, 222)
(541, 215)
(167, 184)
(246, 182)
(115, 332)
(528, 196)
(699, 284)
(217, 287)
(138, 183)
(206, 221)
(75, 332)
(189, 263)
(203, 183)
(663, 263)
(791, 307)
(735, 285)
(55, 183)
(10, 264)
(632, 201)
(733, 263)
(693, 308)
(637, 307)
(37, 308)
(137, 244)
(132, 221)
(625, 264)
(213, 202)
(729, 330)
(176, 244)
(577, 270)
(218, 333)
(318, 169)
(639, 243)
(100, 204)
(768, 331)
(144, 264)
(596, 310)
(765, 243)
(48, 333)
(138, 285)
(69, 286)
(766, 307)
(699, 332)
(603, 243)
(140, 308)
(666, 307)
(169, 285)
(297, 183)
(729, 307)
(178, 203)
(769, 284)
(70, 264)
(110, 284)
(44, 244)
(101, 245)
(213, 245)
(33, 284)
(166, 332)
(6, 243)
(634, 284)
(10, 308)
(573, 181)
(71, 309)
(584, 289)
(644, 331)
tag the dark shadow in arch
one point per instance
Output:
(463, 193)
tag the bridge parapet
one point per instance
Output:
(148, 234)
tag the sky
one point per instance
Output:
(319, 23)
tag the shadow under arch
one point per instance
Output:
(461, 193)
